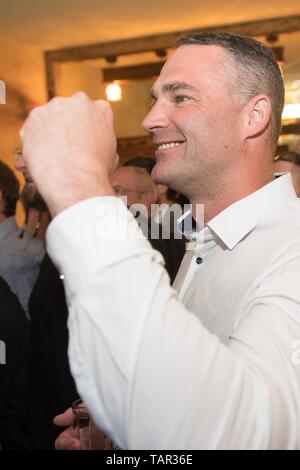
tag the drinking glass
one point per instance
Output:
(91, 437)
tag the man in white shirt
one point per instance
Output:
(152, 373)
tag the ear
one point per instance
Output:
(258, 115)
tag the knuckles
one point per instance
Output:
(79, 98)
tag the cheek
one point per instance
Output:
(197, 125)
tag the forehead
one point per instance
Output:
(120, 174)
(193, 64)
(124, 175)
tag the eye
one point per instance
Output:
(181, 98)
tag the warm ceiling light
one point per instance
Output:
(291, 111)
(113, 92)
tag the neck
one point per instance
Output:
(227, 195)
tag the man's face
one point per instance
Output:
(194, 121)
(125, 183)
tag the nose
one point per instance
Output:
(156, 118)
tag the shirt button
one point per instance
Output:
(199, 260)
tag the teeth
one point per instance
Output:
(169, 145)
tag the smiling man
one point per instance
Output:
(148, 367)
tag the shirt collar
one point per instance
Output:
(187, 225)
(240, 218)
(7, 226)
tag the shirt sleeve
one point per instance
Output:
(151, 374)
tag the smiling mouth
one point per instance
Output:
(167, 145)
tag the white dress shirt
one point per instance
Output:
(152, 373)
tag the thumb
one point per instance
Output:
(107, 111)
(64, 419)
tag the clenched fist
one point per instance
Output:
(69, 146)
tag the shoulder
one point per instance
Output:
(25, 247)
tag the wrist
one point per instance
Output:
(77, 194)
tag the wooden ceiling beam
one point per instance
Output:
(168, 40)
(291, 128)
(132, 72)
(264, 27)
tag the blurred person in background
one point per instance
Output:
(289, 162)
(51, 386)
(14, 364)
(37, 216)
(20, 254)
(135, 183)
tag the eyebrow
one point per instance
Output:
(173, 87)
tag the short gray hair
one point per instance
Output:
(255, 70)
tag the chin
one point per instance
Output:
(159, 174)
(165, 174)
